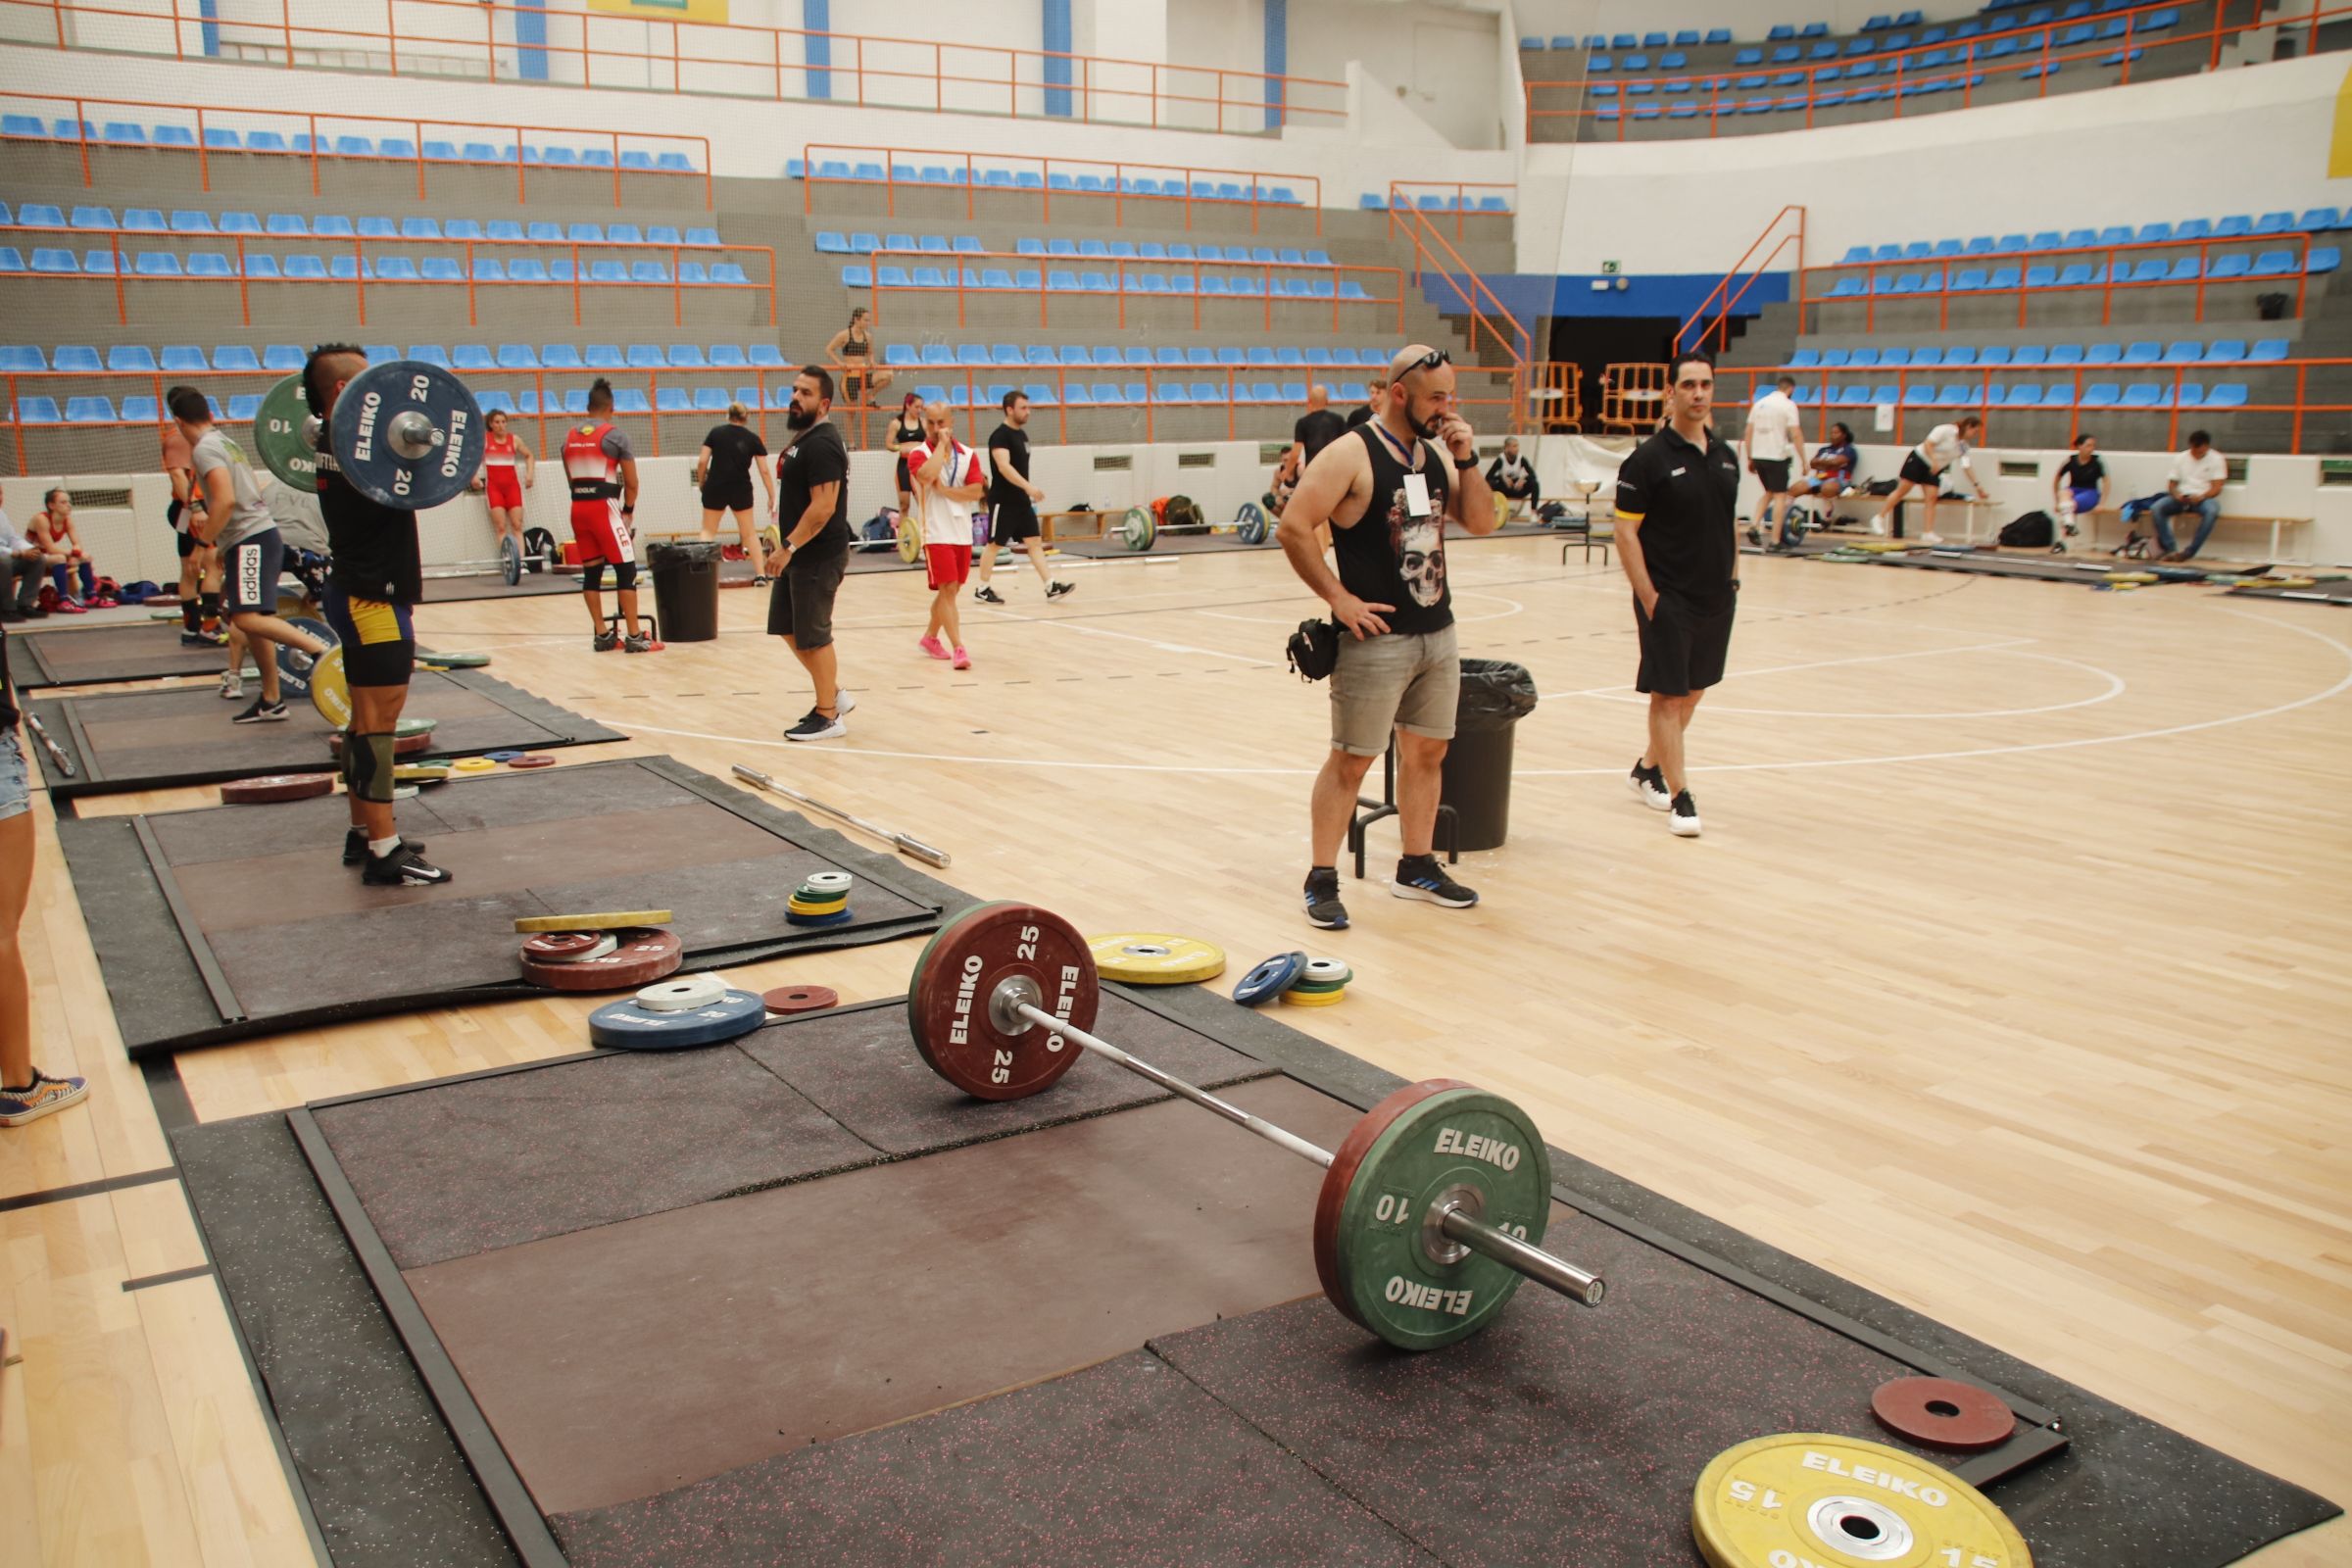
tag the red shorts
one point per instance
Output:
(948, 563)
(602, 533)
(503, 487)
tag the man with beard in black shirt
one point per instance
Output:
(376, 579)
(813, 514)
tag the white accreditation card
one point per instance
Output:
(1416, 495)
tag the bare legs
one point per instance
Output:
(1669, 716)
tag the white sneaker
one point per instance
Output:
(232, 686)
(1685, 822)
(1931, 540)
(1877, 524)
(843, 705)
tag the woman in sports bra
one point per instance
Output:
(499, 480)
(854, 352)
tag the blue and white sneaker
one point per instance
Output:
(1419, 876)
(1323, 906)
(38, 1099)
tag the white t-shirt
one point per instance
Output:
(947, 520)
(1943, 448)
(1772, 429)
(2200, 477)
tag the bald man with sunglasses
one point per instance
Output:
(1387, 489)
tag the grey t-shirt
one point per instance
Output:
(250, 513)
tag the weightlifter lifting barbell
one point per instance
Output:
(1433, 1207)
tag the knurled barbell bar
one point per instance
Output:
(1431, 1211)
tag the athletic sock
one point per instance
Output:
(380, 848)
(187, 613)
(211, 612)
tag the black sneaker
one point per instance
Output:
(1686, 817)
(404, 867)
(1056, 590)
(1419, 876)
(637, 643)
(1648, 786)
(607, 640)
(1323, 906)
(986, 595)
(815, 726)
(354, 847)
(263, 711)
(1755, 538)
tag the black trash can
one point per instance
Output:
(1495, 695)
(685, 589)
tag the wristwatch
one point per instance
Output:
(1464, 464)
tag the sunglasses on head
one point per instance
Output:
(1427, 362)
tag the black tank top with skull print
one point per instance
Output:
(1390, 557)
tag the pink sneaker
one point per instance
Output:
(932, 646)
(964, 661)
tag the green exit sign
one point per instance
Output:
(1608, 269)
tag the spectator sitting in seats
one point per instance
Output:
(851, 350)
(1512, 478)
(2194, 485)
(53, 531)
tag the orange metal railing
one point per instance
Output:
(80, 132)
(1455, 198)
(1723, 298)
(1488, 316)
(567, 254)
(1086, 180)
(1869, 297)
(957, 267)
(1983, 379)
(1962, 66)
(485, 40)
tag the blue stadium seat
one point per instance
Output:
(604, 356)
(89, 410)
(2103, 354)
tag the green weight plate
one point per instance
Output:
(414, 726)
(1319, 987)
(1808, 1497)
(1326, 971)
(441, 661)
(1380, 1260)
(1138, 529)
(280, 430)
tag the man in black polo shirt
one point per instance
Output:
(1677, 505)
(813, 515)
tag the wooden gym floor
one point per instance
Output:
(2010, 979)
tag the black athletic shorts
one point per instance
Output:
(1915, 469)
(1684, 645)
(1011, 521)
(187, 544)
(378, 638)
(1772, 475)
(738, 499)
(800, 604)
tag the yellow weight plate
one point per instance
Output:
(331, 691)
(1314, 998)
(474, 764)
(2285, 583)
(1808, 1498)
(420, 773)
(610, 921)
(2136, 578)
(834, 908)
(1156, 959)
(1875, 546)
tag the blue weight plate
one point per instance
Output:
(816, 920)
(630, 1028)
(1271, 979)
(293, 665)
(502, 756)
(406, 434)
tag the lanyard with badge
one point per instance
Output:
(1416, 483)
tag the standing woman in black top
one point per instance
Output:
(905, 435)
(731, 456)
(27, 1094)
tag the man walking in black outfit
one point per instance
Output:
(1012, 497)
(1677, 509)
(1387, 495)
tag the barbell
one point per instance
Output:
(1431, 1210)
(404, 433)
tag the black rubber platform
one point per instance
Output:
(2085, 572)
(71, 655)
(122, 741)
(1560, 1435)
(237, 920)
(1206, 543)
(2328, 591)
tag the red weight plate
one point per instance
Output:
(947, 999)
(801, 998)
(1942, 1412)
(564, 946)
(405, 746)
(1341, 1175)
(644, 956)
(277, 787)
(534, 759)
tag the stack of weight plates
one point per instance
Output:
(1320, 984)
(698, 1010)
(612, 950)
(822, 900)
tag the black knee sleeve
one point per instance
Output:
(592, 577)
(624, 577)
(370, 766)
